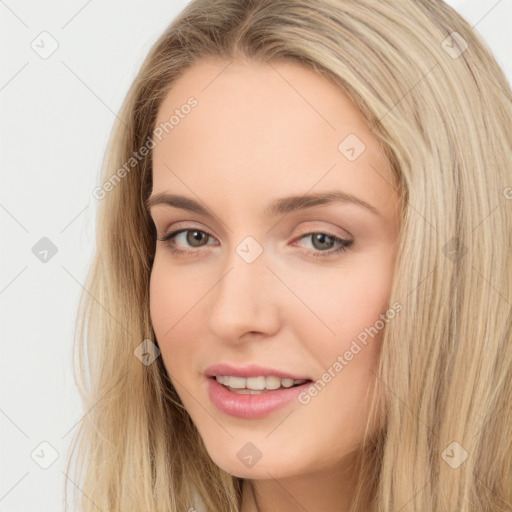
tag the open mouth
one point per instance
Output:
(253, 397)
(257, 385)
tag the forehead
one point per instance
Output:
(266, 129)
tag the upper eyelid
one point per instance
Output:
(177, 226)
(186, 228)
(179, 230)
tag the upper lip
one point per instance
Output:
(250, 370)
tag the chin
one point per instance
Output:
(239, 464)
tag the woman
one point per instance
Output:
(267, 370)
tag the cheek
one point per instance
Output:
(171, 301)
(175, 295)
(344, 303)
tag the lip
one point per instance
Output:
(251, 406)
(251, 370)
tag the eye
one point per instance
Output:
(323, 243)
(194, 237)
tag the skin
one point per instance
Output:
(259, 133)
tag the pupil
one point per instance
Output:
(321, 237)
(195, 236)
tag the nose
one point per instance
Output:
(245, 300)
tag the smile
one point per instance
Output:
(247, 403)
(256, 385)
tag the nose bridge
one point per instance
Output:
(244, 300)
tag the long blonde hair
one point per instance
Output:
(436, 98)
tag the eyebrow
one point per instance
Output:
(277, 207)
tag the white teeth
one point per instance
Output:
(272, 382)
(236, 382)
(256, 383)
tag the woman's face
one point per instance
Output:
(288, 221)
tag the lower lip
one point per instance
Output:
(251, 406)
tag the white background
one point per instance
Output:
(56, 116)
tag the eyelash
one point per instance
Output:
(345, 244)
